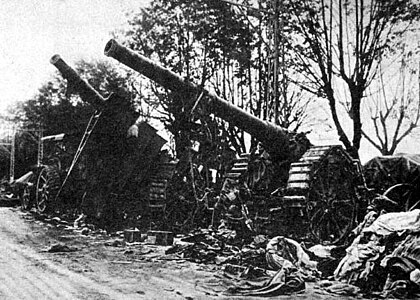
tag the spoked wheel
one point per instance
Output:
(25, 198)
(403, 195)
(47, 187)
(331, 206)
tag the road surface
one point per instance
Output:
(95, 270)
(98, 269)
(27, 272)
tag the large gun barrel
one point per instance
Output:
(85, 90)
(274, 138)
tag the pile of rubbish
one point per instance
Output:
(220, 247)
(382, 259)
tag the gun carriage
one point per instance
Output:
(314, 188)
(116, 159)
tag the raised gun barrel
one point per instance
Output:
(85, 90)
(274, 138)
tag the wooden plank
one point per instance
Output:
(299, 177)
(298, 185)
(300, 169)
(233, 175)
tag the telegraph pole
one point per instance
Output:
(275, 67)
(12, 155)
(40, 147)
(273, 105)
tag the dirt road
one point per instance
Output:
(28, 273)
(94, 271)
(99, 268)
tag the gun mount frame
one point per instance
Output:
(321, 190)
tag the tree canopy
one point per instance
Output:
(339, 45)
(56, 108)
(330, 51)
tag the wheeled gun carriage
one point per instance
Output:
(116, 160)
(314, 188)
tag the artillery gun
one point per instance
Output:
(40, 185)
(313, 188)
(117, 158)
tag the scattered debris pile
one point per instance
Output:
(382, 260)
(285, 282)
(282, 262)
(220, 247)
(383, 172)
(397, 178)
(384, 257)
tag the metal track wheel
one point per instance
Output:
(331, 208)
(323, 184)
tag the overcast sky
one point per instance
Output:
(32, 31)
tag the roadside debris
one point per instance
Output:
(339, 288)
(283, 252)
(162, 238)
(114, 243)
(384, 257)
(59, 247)
(80, 221)
(285, 282)
(132, 235)
(7, 194)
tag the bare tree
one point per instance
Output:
(338, 44)
(395, 116)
